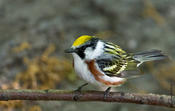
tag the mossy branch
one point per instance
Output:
(149, 99)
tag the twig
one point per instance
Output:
(171, 91)
(149, 99)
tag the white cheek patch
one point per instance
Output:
(94, 53)
(88, 52)
(99, 49)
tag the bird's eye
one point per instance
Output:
(82, 48)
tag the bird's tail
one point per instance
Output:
(148, 56)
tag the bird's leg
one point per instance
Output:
(78, 91)
(106, 93)
(80, 87)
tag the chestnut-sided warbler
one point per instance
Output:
(104, 63)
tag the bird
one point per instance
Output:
(106, 64)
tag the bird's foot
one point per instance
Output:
(106, 93)
(78, 91)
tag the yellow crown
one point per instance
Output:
(81, 40)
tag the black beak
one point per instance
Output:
(71, 50)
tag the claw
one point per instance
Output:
(78, 91)
(106, 93)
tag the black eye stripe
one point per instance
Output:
(80, 52)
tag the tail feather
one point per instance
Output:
(149, 56)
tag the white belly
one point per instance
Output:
(82, 71)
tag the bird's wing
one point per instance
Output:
(111, 64)
(114, 60)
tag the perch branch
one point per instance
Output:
(149, 99)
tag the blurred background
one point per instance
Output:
(35, 33)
